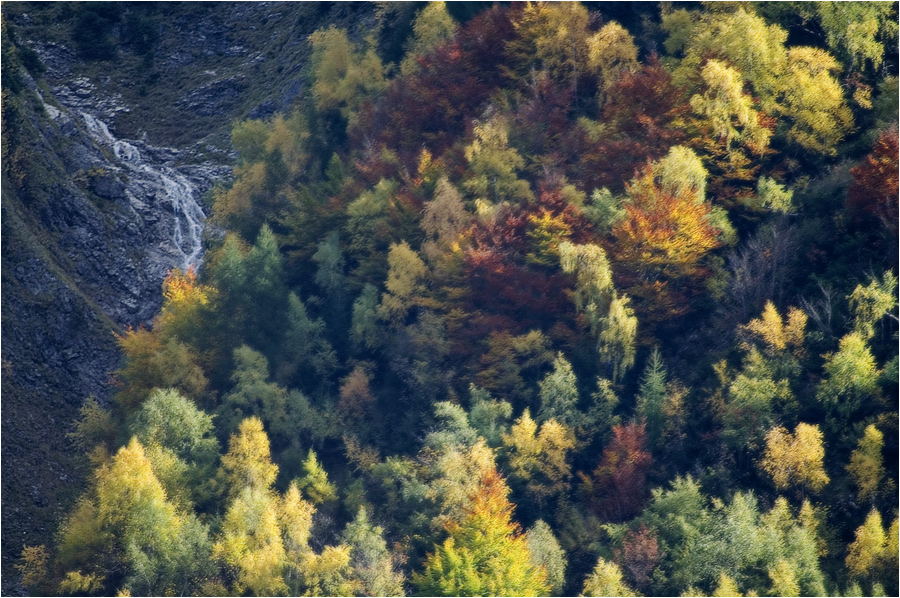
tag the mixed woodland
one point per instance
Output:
(521, 300)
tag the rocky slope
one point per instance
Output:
(102, 188)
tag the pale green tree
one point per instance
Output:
(489, 416)
(432, 26)
(493, 165)
(611, 51)
(558, 392)
(610, 316)
(652, 397)
(871, 303)
(371, 563)
(544, 551)
(364, 324)
(314, 482)
(345, 75)
(851, 376)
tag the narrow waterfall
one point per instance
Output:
(188, 215)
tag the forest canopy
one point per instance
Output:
(538, 299)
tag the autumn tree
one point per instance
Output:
(618, 485)
(867, 464)
(554, 38)
(125, 533)
(612, 53)
(728, 109)
(872, 198)
(606, 580)
(248, 461)
(795, 459)
(796, 83)
(485, 554)
(345, 75)
(405, 284)
(251, 544)
(443, 218)
(540, 458)
(660, 243)
(639, 555)
(152, 362)
(868, 551)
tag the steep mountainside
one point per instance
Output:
(105, 165)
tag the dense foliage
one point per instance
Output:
(532, 308)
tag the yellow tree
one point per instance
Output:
(539, 458)
(251, 543)
(796, 83)
(867, 551)
(555, 36)
(606, 580)
(126, 531)
(485, 553)
(729, 109)
(779, 333)
(405, 283)
(852, 375)
(345, 75)
(871, 303)
(795, 459)
(814, 101)
(248, 462)
(866, 463)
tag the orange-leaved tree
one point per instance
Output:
(486, 553)
(660, 243)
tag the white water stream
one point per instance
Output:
(189, 216)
